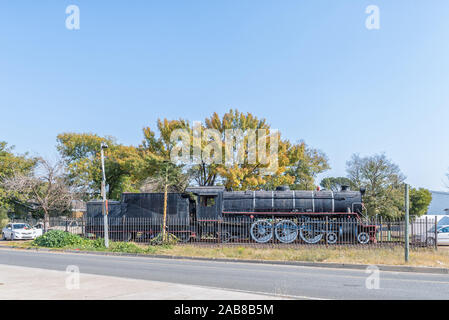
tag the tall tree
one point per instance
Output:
(46, 187)
(419, 201)
(3, 217)
(11, 165)
(249, 174)
(335, 183)
(305, 163)
(166, 177)
(298, 164)
(81, 154)
(383, 181)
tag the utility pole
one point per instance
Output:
(164, 224)
(407, 249)
(105, 201)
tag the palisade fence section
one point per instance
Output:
(294, 232)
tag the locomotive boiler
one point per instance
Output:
(281, 215)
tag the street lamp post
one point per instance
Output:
(105, 201)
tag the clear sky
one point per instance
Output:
(311, 68)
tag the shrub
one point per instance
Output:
(97, 243)
(170, 239)
(58, 239)
(62, 239)
(127, 247)
(3, 217)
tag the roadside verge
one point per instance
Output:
(390, 268)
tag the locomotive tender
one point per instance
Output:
(260, 216)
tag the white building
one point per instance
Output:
(439, 207)
(439, 204)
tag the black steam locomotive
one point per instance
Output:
(283, 215)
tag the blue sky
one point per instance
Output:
(311, 68)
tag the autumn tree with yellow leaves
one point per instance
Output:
(297, 164)
(130, 169)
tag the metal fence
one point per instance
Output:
(299, 231)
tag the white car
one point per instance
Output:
(20, 231)
(442, 236)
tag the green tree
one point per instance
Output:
(383, 181)
(335, 183)
(158, 148)
(419, 201)
(3, 217)
(81, 154)
(305, 163)
(11, 165)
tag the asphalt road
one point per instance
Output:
(292, 281)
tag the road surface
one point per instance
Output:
(288, 281)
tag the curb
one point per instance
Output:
(349, 266)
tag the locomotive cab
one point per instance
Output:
(209, 202)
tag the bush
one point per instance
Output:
(170, 239)
(58, 239)
(62, 239)
(97, 243)
(3, 217)
(127, 247)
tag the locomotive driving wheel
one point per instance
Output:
(331, 238)
(261, 231)
(225, 237)
(363, 237)
(286, 231)
(310, 234)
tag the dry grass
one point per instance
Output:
(394, 256)
(388, 256)
(17, 244)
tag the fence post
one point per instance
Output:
(407, 249)
(426, 231)
(327, 230)
(389, 231)
(83, 226)
(381, 230)
(123, 228)
(436, 233)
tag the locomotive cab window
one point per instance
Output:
(208, 201)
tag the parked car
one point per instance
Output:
(20, 231)
(442, 236)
